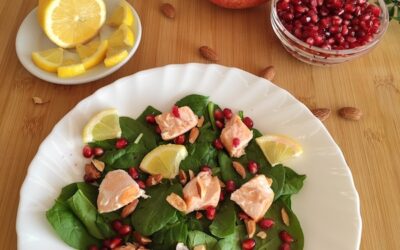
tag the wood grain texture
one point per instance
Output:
(242, 39)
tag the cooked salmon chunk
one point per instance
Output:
(178, 123)
(255, 196)
(117, 190)
(201, 192)
(235, 136)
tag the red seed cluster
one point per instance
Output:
(330, 24)
(248, 244)
(180, 139)
(210, 213)
(134, 173)
(175, 111)
(121, 143)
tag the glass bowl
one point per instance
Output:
(319, 56)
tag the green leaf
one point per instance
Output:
(197, 103)
(88, 190)
(152, 214)
(225, 221)
(196, 238)
(130, 156)
(168, 237)
(293, 182)
(68, 227)
(131, 129)
(150, 110)
(210, 109)
(227, 171)
(105, 145)
(233, 241)
(277, 173)
(241, 114)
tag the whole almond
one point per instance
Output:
(194, 134)
(250, 227)
(177, 202)
(142, 240)
(99, 165)
(128, 209)
(200, 122)
(285, 217)
(208, 53)
(168, 10)
(153, 180)
(268, 73)
(182, 177)
(239, 169)
(350, 113)
(91, 173)
(321, 113)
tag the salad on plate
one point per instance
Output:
(197, 176)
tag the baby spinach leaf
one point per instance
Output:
(293, 182)
(130, 156)
(131, 129)
(70, 229)
(152, 214)
(232, 242)
(150, 110)
(199, 238)
(227, 171)
(87, 213)
(105, 145)
(277, 174)
(168, 237)
(225, 221)
(197, 103)
(254, 152)
(88, 190)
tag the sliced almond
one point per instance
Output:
(194, 134)
(200, 122)
(250, 227)
(99, 165)
(38, 100)
(201, 189)
(285, 217)
(91, 173)
(200, 247)
(182, 177)
(128, 209)
(177, 202)
(199, 215)
(142, 240)
(128, 246)
(153, 180)
(239, 169)
(262, 235)
(191, 174)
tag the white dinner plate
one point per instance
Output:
(328, 206)
(30, 38)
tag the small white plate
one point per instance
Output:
(30, 37)
(328, 206)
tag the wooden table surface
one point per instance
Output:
(243, 39)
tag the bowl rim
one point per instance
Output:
(376, 38)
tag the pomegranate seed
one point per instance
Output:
(375, 10)
(288, 17)
(158, 130)
(286, 237)
(151, 119)
(107, 243)
(121, 143)
(97, 151)
(253, 167)
(219, 124)
(206, 168)
(248, 244)
(243, 216)
(133, 173)
(235, 142)
(300, 9)
(230, 186)
(310, 41)
(116, 225)
(115, 242)
(218, 144)
(175, 111)
(349, 8)
(87, 151)
(125, 230)
(221, 196)
(141, 184)
(210, 213)
(266, 223)
(104, 248)
(180, 139)
(351, 39)
(93, 247)
(284, 246)
(88, 179)
(248, 122)
(219, 115)
(228, 113)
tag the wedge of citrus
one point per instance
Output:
(102, 126)
(70, 22)
(278, 148)
(92, 53)
(48, 60)
(71, 66)
(115, 55)
(121, 15)
(123, 36)
(164, 160)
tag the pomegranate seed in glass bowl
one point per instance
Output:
(327, 32)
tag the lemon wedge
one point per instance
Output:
(114, 56)
(121, 15)
(48, 60)
(123, 36)
(70, 22)
(71, 66)
(102, 126)
(92, 53)
(278, 148)
(164, 160)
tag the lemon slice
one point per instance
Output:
(102, 126)
(115, 56)
(70, 22)
(71, 66)
(164, 160)
(123, 36)
(121, 15)
(48, 60)
(278, 148)
(92, 53)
